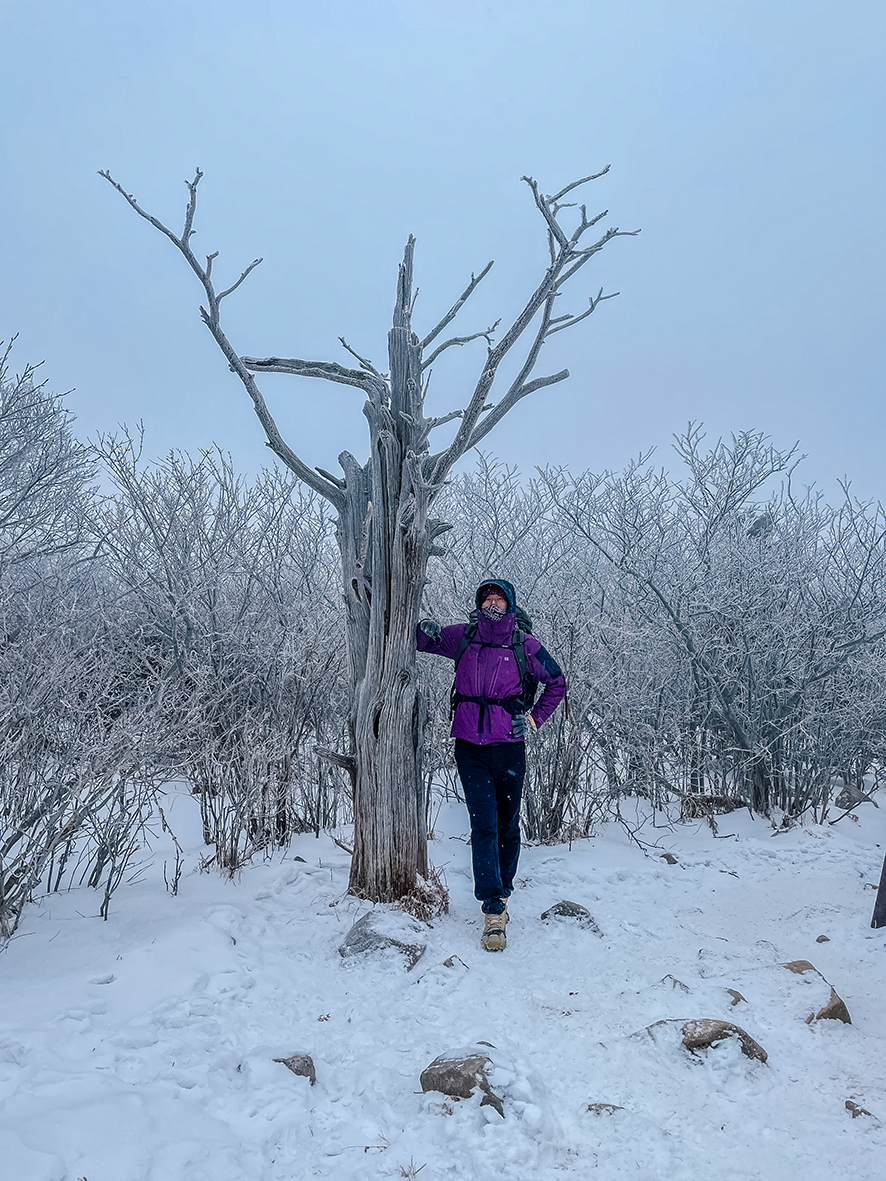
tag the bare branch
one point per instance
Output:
(615, 232)
(459, 340)
(575, 184)
(433, 423)
(507, 403)
(212, 321)
(234, 286)
(339, 483)
(364, 363)
(544, 209)
(328, 370)
(569, 321)
(346, 762)
(182, 243)
(583, 256)
(458, 305)
(566, 260)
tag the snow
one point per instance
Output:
(142, 1048)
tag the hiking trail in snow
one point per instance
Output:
(142, 1048)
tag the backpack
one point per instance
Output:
(519, 703)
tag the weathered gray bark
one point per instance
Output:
(385, 533)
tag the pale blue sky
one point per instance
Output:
(745, 138)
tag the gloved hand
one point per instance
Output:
(431, 628)
(521, 723)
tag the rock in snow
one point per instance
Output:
(572, 910)
(855, 1110)
(459, 1075)
(301, 1064)
(702, 1033)
(385, 930)
(835, 1007)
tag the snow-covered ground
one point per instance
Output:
(141, 1049)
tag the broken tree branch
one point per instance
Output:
(327, 370)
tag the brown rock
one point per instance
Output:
(458, 1077)
(835, 1009)
(800, 966)
(737, 998)
(669, 858)
(704, 1032)
(302, 1064)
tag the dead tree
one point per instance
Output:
(385, 529)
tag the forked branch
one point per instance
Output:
(567, 257)
(460, 340)
(211, 318)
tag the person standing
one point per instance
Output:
(492, 711)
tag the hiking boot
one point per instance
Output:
(494, 937)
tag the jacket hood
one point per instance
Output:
(507, 590)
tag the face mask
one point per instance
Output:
(492, 612)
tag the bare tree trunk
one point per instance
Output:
(385, 534)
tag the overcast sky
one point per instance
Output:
(745, 138)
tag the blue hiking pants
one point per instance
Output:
(492, 780)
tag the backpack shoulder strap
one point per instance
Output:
(518, 643)
(465, 641)
(463, 645)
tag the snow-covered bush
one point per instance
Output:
(235, 585)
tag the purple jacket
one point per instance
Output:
(488, 668)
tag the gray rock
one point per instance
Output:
(851, 796)
(697, 806)
(572, 910)
(823, 939)
(735, 997)
(855, 1110)
(385, 930)
(458, 1076)
(604, 1108)
(301, 1064)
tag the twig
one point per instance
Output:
(458, 305)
